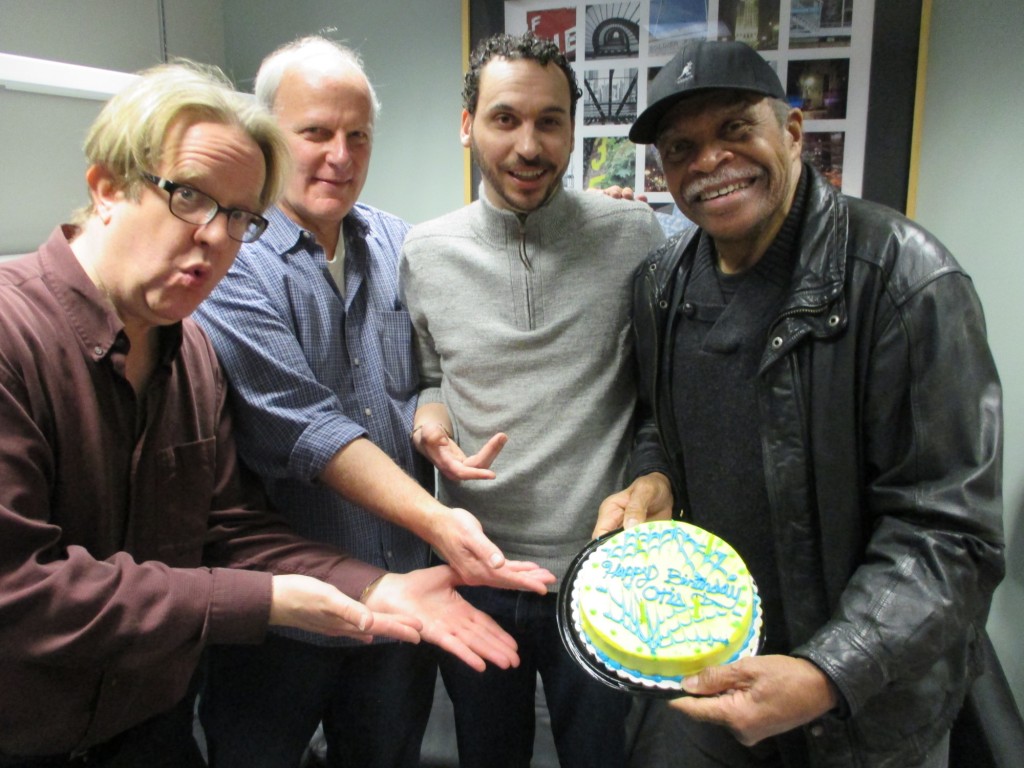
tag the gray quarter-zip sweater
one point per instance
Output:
(523, 327)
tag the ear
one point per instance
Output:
(466, 131)
(104, 190)
(795, 130)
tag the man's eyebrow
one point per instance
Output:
(505, 107)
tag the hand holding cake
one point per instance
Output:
(649, 497)
(758, 697)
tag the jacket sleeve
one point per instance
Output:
(931, 432)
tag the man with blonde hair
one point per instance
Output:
(132, 538)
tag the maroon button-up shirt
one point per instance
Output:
(129, 536)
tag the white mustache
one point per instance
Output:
(722, 177)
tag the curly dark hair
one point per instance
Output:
(513, 47)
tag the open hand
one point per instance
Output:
(432, 441)
(461, 542)
(449, 622)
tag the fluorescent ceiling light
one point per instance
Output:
(23, 73)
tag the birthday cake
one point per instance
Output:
(663, 600)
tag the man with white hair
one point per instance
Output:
(318, 350)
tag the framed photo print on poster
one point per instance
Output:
(849, 65)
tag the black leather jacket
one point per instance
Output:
(881, 423)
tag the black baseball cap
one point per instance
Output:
(704, 65)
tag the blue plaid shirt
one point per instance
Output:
(311, 371)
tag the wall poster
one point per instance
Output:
(821, 50)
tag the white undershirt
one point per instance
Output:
(336, 264)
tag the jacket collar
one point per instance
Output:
(820, 271)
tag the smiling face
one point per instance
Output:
(521, 133)
(154, 267)
(732, 169)
(328, 120)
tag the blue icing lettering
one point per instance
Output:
(661, 618)
(700, 582)
(627, 574)
(665, 606)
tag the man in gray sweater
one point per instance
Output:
(521, 306)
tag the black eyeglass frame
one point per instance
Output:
(172, 188)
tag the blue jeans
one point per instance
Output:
(262, 704)
(494, 711)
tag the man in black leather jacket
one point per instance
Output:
(822, 395)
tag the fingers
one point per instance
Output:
(610, 514)
(714, 680)
(430, 436)
(453, 464)
(404, 628)
(528, 577)
(653, 494)
(714, 696)
(448, 620)
(306, 603)
(474, 637)
(478, 561)
(482, 638)
(634, 513)
(649, 497)
(622, 193)
(482, 459)
(456, 470)
(444, 453)
(759, 697)
(473, 548)
(303, 602)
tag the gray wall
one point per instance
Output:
(969, 195)
(41, 136)
(974, 108)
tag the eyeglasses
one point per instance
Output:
(195, 207)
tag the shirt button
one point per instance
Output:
(97, 350)
(355, 361)
(367, 411)
(688, 309)
(817, 731)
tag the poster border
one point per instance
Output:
(895, 94)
